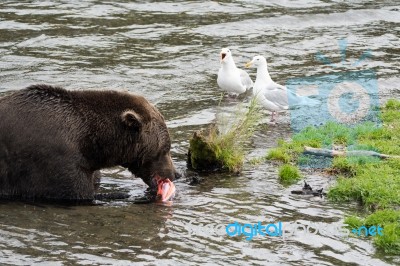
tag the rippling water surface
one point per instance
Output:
(169, 52)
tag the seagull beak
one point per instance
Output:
(248, 64)
(223, 56)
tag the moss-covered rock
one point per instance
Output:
(201, 156)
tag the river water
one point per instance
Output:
(169, 52)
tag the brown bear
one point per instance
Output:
(53, 141)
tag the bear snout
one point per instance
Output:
(155, 170)
(161, 174)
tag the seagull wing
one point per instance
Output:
(280, 86)
(278, 96)
(245, 78)
(284, 97)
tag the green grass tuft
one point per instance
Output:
(390, 241)
(382, 217)
(289, 174)
(342, 165)
(328, 134)
(278, 154)
(227, 149)
(392, 104)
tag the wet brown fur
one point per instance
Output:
(54, 141)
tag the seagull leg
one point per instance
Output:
(231, 97)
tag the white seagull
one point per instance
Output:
(271, 95)
(230, 78)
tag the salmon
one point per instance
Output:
(165, 190)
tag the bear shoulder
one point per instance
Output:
(45, 91)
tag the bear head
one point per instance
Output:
(148, 146)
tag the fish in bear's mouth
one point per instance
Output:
(165, 190)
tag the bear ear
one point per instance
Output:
(131, 119)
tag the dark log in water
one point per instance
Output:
(334, 153)
(307, 190)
